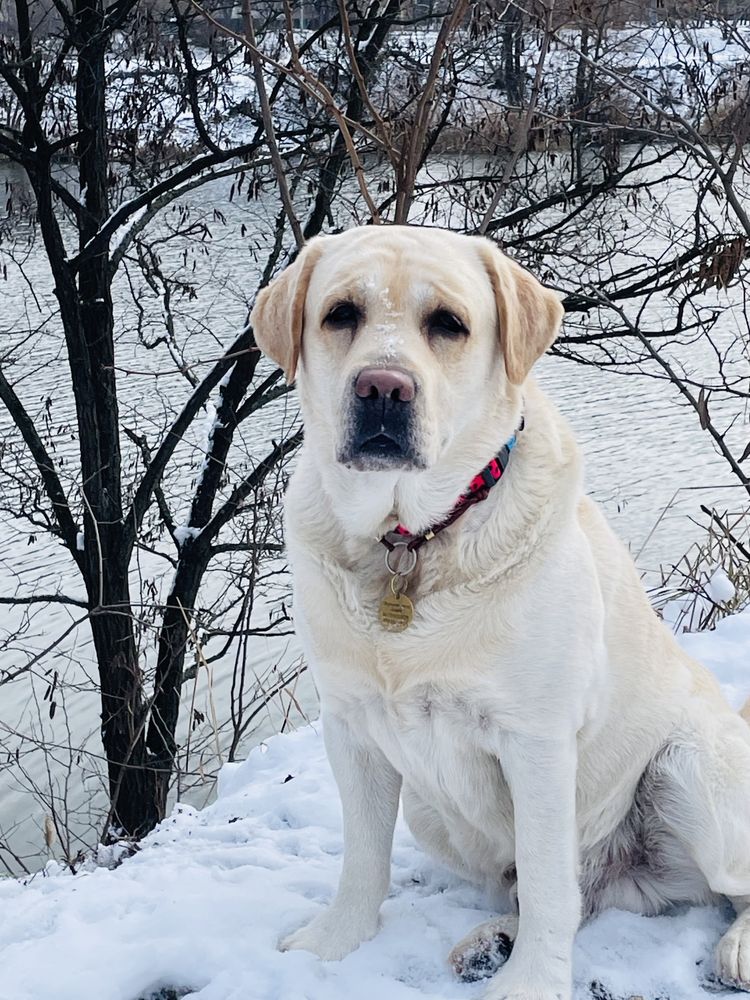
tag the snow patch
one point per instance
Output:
(719, 587)
(225, 380)
(385, 299)
(181, 535)
(124, 231)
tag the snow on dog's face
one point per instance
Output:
(398, 336)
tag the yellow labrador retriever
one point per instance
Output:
(480, 639)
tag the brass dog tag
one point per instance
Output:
(396, 612)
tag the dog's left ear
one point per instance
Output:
(528, 314)
(278, 316)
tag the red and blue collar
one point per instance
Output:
(478, 490)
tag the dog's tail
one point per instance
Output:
(745, 711)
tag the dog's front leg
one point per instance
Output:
(369, 789)
(541, 774)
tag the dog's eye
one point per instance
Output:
(343, 314)
(444, 324)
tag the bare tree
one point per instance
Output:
(98, 516)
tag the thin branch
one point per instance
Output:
(311, 85)
(265, 108)
(11, 675)
(249, 484)
(680, 385)
(44, 599)
(45, 465)
(127, 209)
(362, 84)
(217, 550)
(410, 160)
(155, 469)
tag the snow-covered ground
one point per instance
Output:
(202, 905)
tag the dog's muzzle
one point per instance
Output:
(381, 421)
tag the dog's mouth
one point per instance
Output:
(382, 451)
(382, 445)
(380, 436)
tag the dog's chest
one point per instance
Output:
(432, 697)
(440, 742)
(453, 669)
(449, 630)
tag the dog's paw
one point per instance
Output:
(521, 983)
(482, 952)
(732, 956)
(331, 936)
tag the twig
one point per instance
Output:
(732, 538)
(265, 110)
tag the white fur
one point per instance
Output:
(548, 736)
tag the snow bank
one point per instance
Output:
(201, 906)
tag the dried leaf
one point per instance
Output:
(49, 832)
(703, 398)
(721, 262)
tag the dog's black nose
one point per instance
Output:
(385, 384)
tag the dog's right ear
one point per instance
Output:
(278, 316)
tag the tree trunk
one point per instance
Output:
(90, 326)
(133, 779)
(581, 99)
(511, 54)
(173, 640)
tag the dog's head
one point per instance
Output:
(399, 335)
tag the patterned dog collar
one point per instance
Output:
(478, 490)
